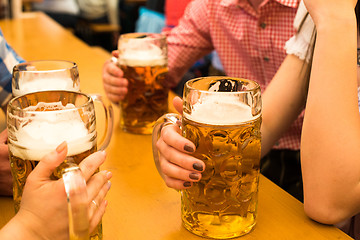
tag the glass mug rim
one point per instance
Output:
(71, 65)
(19, 109)
(136, 36)
(189, 85)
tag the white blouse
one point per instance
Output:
(298, 45)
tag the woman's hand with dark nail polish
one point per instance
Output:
(178, 167)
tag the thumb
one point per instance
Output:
(50, 161)
(178, 104)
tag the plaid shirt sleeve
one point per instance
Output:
(189, 41)
(8, 59)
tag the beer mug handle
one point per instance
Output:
(77, 198)
(166, 119)
(109, 120)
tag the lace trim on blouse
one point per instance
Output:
(298, 45)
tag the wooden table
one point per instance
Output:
(140, 205)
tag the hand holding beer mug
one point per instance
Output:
(38, 122)
(42, 75)
(143, 59)
(48, 219)
(222, 117)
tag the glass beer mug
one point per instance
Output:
(222, 117)
(143, 59)
(38, 122)
(42, 75)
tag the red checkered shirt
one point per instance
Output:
(250, 44)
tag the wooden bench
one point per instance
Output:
(104, 28)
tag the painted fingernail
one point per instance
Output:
(108, 175)
(103, 152)
(198, 166)
(187, 184)
(61, 147)
(188, 148)
(108, 185)
(194, 176)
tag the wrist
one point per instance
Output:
(340, 31)
(336, 22)
(28, 227)
(12, 231)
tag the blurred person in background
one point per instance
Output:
(78, 15)
(249, 37)
(65, 12)
(99, 12)
(151, 17)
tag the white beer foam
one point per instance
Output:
(44, 84)
(220, 110)
(136, 53)
(47, 130)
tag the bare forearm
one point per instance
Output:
(330, 138)
(283, 101)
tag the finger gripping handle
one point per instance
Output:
(166, 119)
(75, 188)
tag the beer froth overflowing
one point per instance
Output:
(220, 110)
(135, 53)
(47, 129)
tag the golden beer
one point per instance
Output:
(147, 98)
(144, 63)
(38, 123)
(223, 204)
